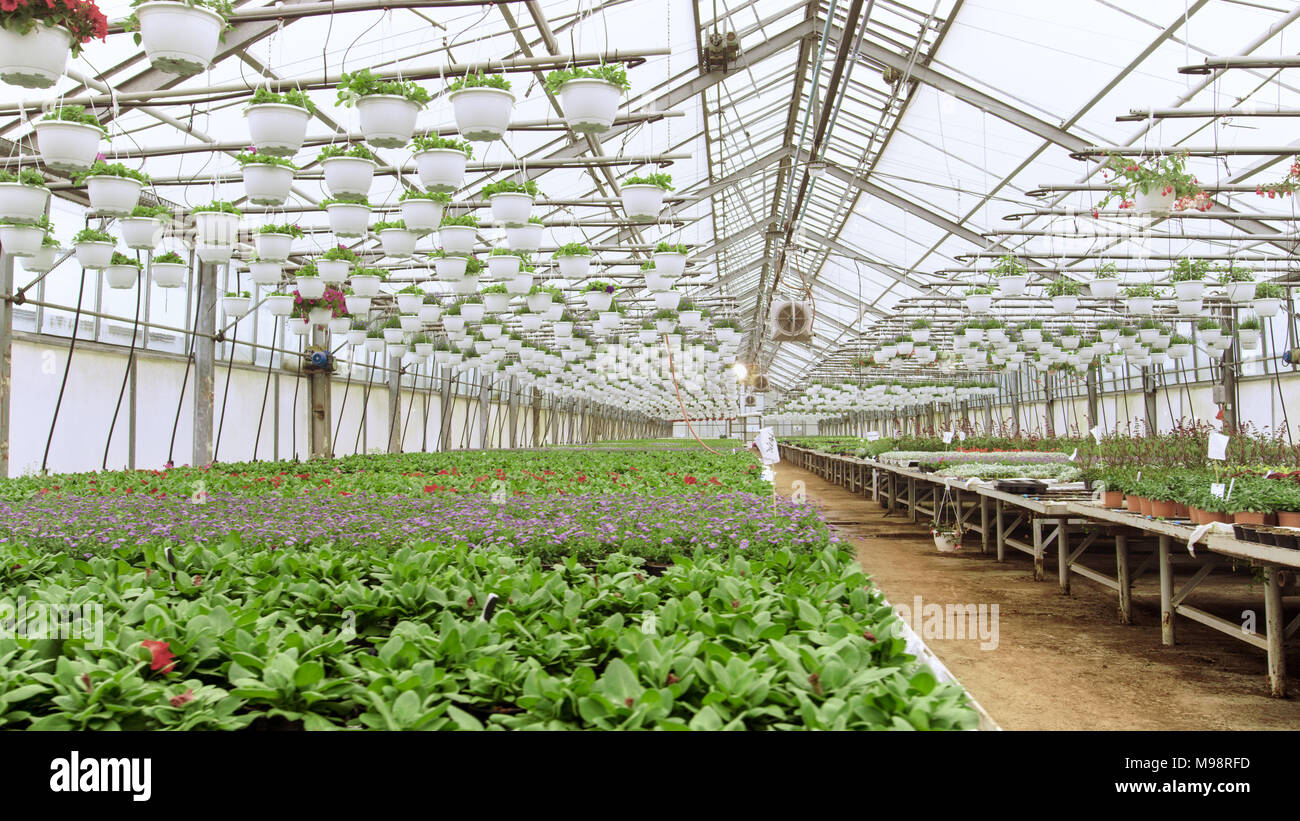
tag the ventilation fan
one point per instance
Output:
(752, 403)
(760, 383)
(791, 321)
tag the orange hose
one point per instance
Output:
(685, 418)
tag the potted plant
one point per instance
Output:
(122, 271)
(374, 340)
(113, 189)
(388, 108)
(422, 211)
(349, 169)
(409, 299)
(336, 263)
(180, 36)
(273, 242)
(495, 299)
(430, 309)
(457, 234)
(670, 259)
(277, 121)
(394, 238)
(947, 538)
(979, 299)
(68, 138)
(143, 229)
(94, 248)
(1180, 347)
(504, 264)
(366, 281)
(573, 260)
(1105, 281)
(563, 326)
(643, 196)
(168, 270)
(37, 37)
(1268, 299)
(512, 202)
(526, 237)
(1140, 298)
(237, 304)
(25, 239)
(356, 333)
(522, 282)
(310, 285)
(1157, 185)
(440, 162)
(589, 96)
(1248, 331)
(665, 321)
(267, 179)
(216, 224)
(1238, 283)
(482, 104)
(1188, 278)
(450, 267)
(1012, 276)
(452, 320)
(349, 214)
(279, 303)
(598, 295)
(1069, 338)
(1064, 294)
(357, 305)
(539, 299)
(23, 195)
(331, 303)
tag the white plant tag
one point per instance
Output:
(1096, 433)
(947, 437)
(1073, 455)
(1218, 448)
(1218, 489)
(961, 434)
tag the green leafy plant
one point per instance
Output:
(356, 150)
(29, 177)
(572, 249)
(102, 168)
(252, 157)
(293, 97)
(435, 196)
(1162, 175)
(1009, 266)
(341, 253)
(365, 83)
(75, 114)
(432, 141)
(1141, 290)
(1106, 270)
(346, 199)
(613, 74)
(462, 220)
(1062, 287)
(528, 187)
(169, 258)
(151, 212)
(478, 80)
(664, 181)
(1235, 273)
(122, 259)
(388, 224)
(290, 230)
(1269, 290)
(216, 206)
(1189, 270)
(671, 248)
(92, 235)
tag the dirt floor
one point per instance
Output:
(1064, 662)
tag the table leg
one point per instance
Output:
(911, 498)
(1063, 555)
(1166, 594)
(1122, 576)
(1274, 633)
(1038, 550)
(984, 524)
(1002, 533)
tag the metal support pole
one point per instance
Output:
(1094, 418)
(6, 358)
(394, 404)
(484, 395)
(205, 356)
(512, 414)
(318, 384)
(1149, 401)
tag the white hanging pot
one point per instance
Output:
(179, 38)
(491, 331)
(430, 313)
(563, 329)
(365, 285)
(667, 300)
(472, 311)
(23, 203)
(539, 303)
(387, 120)
(121, 276)
(113, 196)
(1142, 305)
(1065, 303)
(496, 303)
(21, 240)
(1108, 335)
(589, 105)
(267, 184)
(1239, 291)
(333, 271)
(357, 305)
(266, 272)
(374, 344)
(482, 114)
(1070, 343)
(409, 303)
(272, 247)
(1190, 307)
(691, 320)
(67, 146)
(524, 237)
(1180, 351)
(319, 316)
(36, 59)
(277, 129)
(919, 335)
(93, 255)
(1033, 336)
(511, 208)
(348, 219)
(503, 266)
(647, 336)
(168, 274)
(214, 254)
(421, 215)
(1268, 307)
(1012, 284)
(665, 326)
(519, 284)
(1154, 202)
(141, 233)
(554, 312)
(454, 323)
(450, 268)
(457, 239)
(356, 336)
(670, 264)
(1249, 339)
(393, 336)
(1190, 289)
(598, 300)
(310, 287)
(530, 322)
(1104, 288)
(441, 169)
(216, 227)
(339, 324)
(397, 242)
(656, 282)
(574, 267)
(281, 305)
(348, 175)
(979, 303)
(236, 306)
(643, 202)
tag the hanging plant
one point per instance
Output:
(388, 108)
(25, 239)
(1238, 282)
(1268, 299)
(1064, 294)
(457, 233)
(526, 237)
(142, 230)
(395, 239)
(589, 96)
(512, 202)
(1288, 186)
(23, 195)
(1188, 277)
(36, 37)
(979, 299)
(482, 104)
(180, 36)
(168, 270)
(113, 189)
(1156, 184)
(331, 304)
(349, 214)
(422, 211)
(643, 196)
(441, 161)
(1012, 276)
(349, 169)
(277, 121)
(68, 138)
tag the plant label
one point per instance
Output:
(1095, 430)
(947, 437)
(1218, 447)
(765, 439)
(1218, 489)
(961, 434)
(1074, 455)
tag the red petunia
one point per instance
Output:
(432, 488)
(184, 698)
(690, 480)
(162, 660)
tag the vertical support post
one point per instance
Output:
(1274, 632)
(394, 404)
(1122, 576)
(1149, 401)
(1038, 549)
(1063, 555)
(1094, 418)
(130, 412)
(6, 357)
(446, 409)
(984, 523)
(1229, 364)
(512, 411)
(1166, 594)
(484, 395)
(537, 417)
(1000, 524)
(1049, 402)
(1015, 411)
(205, 355)
(318, 385)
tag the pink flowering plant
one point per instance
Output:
(1160, 176)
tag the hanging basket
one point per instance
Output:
(279, 305)
(214, 254)
(511, 208)
(397, 242)
(36, 59)
(319, 316)
(22, 203)
(590, 105)
(267, 184)
(574, 267)
(348, 176)
(496, 304)
(670, 264)
(1239, 292)
(450, 268)
(503, 266)
(141, 233)
(333, 271)
(1267, 307)
(65, 145)
(93, 255)
(1012, 284)
(365, 285)
(482, 114)
(1104, 288)
(277, 129)
(121, 276)
(524, 237)
(265, 272)
(667, 300)
(21, 240)
(272, 247)
(519, 284)
(441, 170)
(113, 196)
(168, 274)
(539, 303)
(348, 219)
(1154, 202)
(236, 306)
(421, 215)
(643, 203)
(179, 38)
(216, 228)
(387, 120)
(1065, 304)
(310, 287)
(598, 301)
(457, 239)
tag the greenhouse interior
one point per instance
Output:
(635, 365)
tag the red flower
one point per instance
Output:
(432, 488)
(184, 698)
(163, 659)
(713, 480)
(690, 480)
